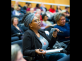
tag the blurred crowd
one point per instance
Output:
(22, 17)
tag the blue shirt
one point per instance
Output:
(44, 42)
(66, 30)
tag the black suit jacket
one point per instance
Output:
(31, 42)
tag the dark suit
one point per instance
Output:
(31, 42)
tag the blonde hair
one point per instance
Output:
(15, 7)
(14, 50)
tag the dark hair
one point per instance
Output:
(13, 19)
(26, 3)
(37, 5)
(44, 16)
(29, 4)
(66, 7)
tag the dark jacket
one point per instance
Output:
(31, 42)
(14, 30)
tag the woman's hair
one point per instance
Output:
(57, 16)
(43, 16)
(29, 4)
(15, 7)
(37, 5)
(51, 6)
(14, 50)
(13, 19)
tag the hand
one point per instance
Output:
(57, 29)
(40, 53)
(54, 34)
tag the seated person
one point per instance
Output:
(62, 26)
(31, 10)
(35, 40)
(28, 9)
(37, 7)
(58, 9)
(43, 7)
(64, 12)
(52, 10)
(16, 54)
(17, 11)
(45, 23)
(25, 6)
(67, 13)
(15, 28)
(38, 11)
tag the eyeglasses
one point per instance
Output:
(63, 19)
(37, 20)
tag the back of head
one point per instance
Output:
(14, 50)
(27, 19)
(37, 5)
(38, 11)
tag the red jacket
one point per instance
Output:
(52, 10)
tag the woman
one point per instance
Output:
(35, 40)
(28, 9)
(45, 24)
(16, 54)
(58, 9)
(37, 7)
(62, 26)
(15, 28)
(52, 10)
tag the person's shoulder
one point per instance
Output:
(41, 30)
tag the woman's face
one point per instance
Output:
(52, 6)
(45, 18)
(20, 57)
(62, 21)
(15, 21)
(35, 24)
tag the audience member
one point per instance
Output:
(37, 7)
(17, 3)
(45, 23)
(62, 26)
(43, 7)
(31, 10)
(67, 13)
(16, 11)
(15, 28)
(35, 40)
(58, 9)
(52, 10)
(64, 12)
(28, 9)
(38, 11)
(12, 7)
(25, 6)
(16, 54)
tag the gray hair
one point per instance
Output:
(14, 50)
(37, 10)
(57, 16)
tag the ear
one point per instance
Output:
(30, 25)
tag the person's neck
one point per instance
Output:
(44, 20)
(35, 31)
(14, 25)
(59, 24)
